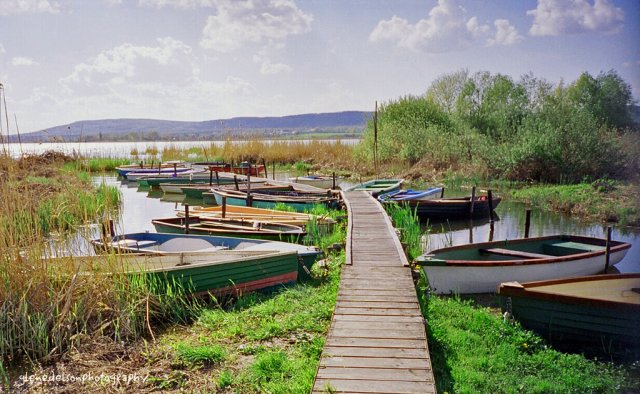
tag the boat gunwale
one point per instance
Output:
(296, 230)
(529, 290)
(616, 246)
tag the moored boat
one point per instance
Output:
(410, 195)
(166, 243)
(259, 214)
(451, 208)
(122, 170)
(602, 310)
(377, 186)
(222, 272)
(300, 201)
(480, 268)
(321, 181)
(230, 228)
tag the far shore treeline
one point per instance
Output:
(493, 126)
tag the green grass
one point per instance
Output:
(602, 200)
(473, 350)
(407, 222)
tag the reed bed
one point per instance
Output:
(49, 305)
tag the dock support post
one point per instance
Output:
(473, 201)
(186, 218)
(224, 206)
(527, 222)
(607, 255)
(490, 201)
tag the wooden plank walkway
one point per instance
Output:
(377, 341)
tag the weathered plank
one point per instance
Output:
(377, 339)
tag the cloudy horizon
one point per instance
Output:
(70, 60)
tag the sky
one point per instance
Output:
(70, 60)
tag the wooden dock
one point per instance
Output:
(377, 341)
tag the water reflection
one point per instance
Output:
(141, 205)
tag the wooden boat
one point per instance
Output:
(410, 195)
(321, 181)
(166, 173)
(222, 272)
(259, 214)
(377, 186)
(126, 168)
(246, 168)
(480, 268)
(230, 228)
(451, 208)
(300, 201)
(198, 177)
(164, 243)
(603, 309)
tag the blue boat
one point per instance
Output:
(410, 195)
(377, 186)
(167, 244)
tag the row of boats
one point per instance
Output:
(536, 277)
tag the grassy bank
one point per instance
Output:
(603, 200)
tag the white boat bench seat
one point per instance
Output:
(132, 243)
(516, 253)
(565, 248)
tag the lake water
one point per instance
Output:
(141, 206)
(119, 149)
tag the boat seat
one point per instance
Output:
(132, 243)
(566, 248)
(184, 244)
(515, 253)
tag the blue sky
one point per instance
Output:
(68, 60)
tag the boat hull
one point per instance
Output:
(441, 209)
(449, 274)
(565, 319)
(298, 206)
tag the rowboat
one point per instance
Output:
(377, 186)
(230, 228)
(300, 201)
(164, 243)
(199, 177)
(126, 168)
(177, 188)
(165, 173)
(603, 309)
(246, 168)
(222, 272)
(410, 195)
(451, 208)
(321, 181)
(480, 268)
(259, 214)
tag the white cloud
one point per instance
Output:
(631, 64)
(22, 61)
(267, 67)
(9, 7)
(557, 17)
(183, 4)
(2, 50)
(113, 2)
(447, 28)
(253, 21)
(506, 34)
(116, 65)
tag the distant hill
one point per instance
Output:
(348, 122)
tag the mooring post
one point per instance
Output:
(210, 176)
(224, 206)
(249, 199)
(273, 170)
(473, 200)
(175, 169)
(442, 192)
(141, 164)
(527, 222)
(107, 229)
(264, 166)
(607, 255)
(217, 178)
(235, 180)
(186, 218)
(490, 201)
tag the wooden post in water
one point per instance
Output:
(333, 187)
(249, 200)
(491, 228)
(159, 167)
(490, 201)
(186, 218)
(527, 222)
(264, 165)
(442, 192)
(273, 170)
(211, 176)
(217, 178)
(224, 206)
(473, 201)
(607, 255)
(107, 230)
(141, 164)
(175, 169)
(235, 180)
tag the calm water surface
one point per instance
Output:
(139, 207)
